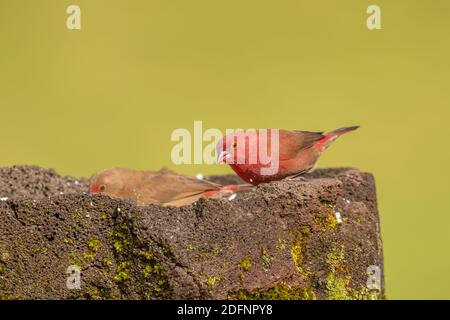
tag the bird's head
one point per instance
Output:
(110, 181)
(238, 148)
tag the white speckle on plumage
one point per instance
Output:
(4, 199)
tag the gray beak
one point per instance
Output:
(223, 156)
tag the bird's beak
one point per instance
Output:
(223, 157)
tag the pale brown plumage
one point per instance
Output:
(163, 187)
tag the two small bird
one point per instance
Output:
(298, 152)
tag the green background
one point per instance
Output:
(112, 93)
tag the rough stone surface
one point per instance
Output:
(279, 241)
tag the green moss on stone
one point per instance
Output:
(90, 256)
(74, 259)
(120, 241)
(72, 256)
(69, 241)
(94, 244)
(327, 203)
(139, 263)
(281, 291)
(107, 262)
(4, 295)
(123, 271)
(147, 255)
(245, 264)
(156, 269)
(281, 244)
(93, 293)
(148, 270)
(266, 259)
(339, 279)
(327, 222)
(298, 250)
(213, 280)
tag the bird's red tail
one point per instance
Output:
(341, 131)
(332, 135)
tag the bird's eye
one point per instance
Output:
(102, 188)
(234, 145)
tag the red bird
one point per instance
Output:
(268, 155)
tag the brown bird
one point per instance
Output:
(163, 187)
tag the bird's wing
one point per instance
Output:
(168, 187)
(292, 142)
(183, 201)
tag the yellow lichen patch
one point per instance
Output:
(4, 295)
(74, 259)
(281, 244)
(328, 222)
(266, 259)
(213, 280)
(89, 256)
(147, 255)
(216, 249)
(157, 280)
(120, 241)
(297, 251)
(72, 256)
(339, 279)
(94, 244)
(156, 269)
(245, 264)
(122, 271)
(281, 291)
(365, 294)
(148, 270)
(93, 293)
(69, 241)
(327, 203)
(107, 262)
